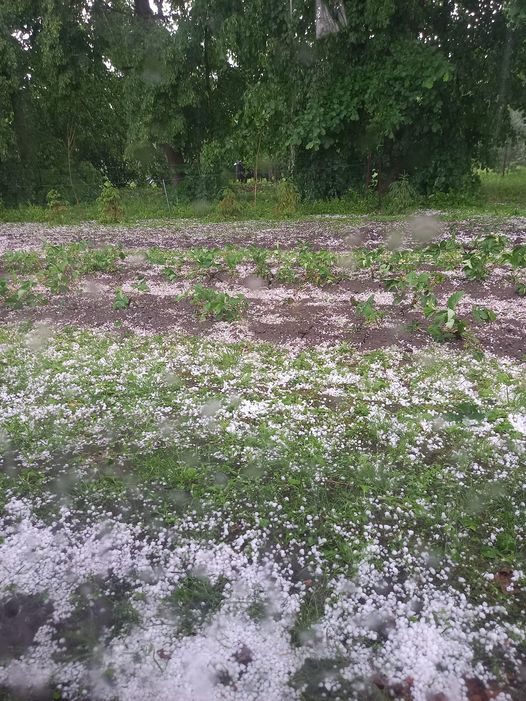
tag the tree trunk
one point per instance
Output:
(143, 9)
(175, 162)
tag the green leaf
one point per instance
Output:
(454, 299)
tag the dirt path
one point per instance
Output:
(335, 233)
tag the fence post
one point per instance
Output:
(167, 200)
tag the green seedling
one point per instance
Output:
(318, 266)
(368, 311)
(24, 294)
(206, 258)
(517, 256)
(475, 267)
(170, 274)
(22, 262)
(286, 274)
(491, 244)
(483, 315)
(141, 285)
(121, 300)
(217, 305)
(445, 324)
(232, 257)
(102, 260)
(260, 258)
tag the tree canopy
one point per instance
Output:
(128, 89)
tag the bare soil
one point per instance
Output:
(296, 315)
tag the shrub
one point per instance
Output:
(287, 199)
(229, 205)
(56, 204)
(401, 197)
(110, 205)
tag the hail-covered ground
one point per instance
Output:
(314, 492)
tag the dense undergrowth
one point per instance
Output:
(499, 195)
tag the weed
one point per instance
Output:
(401, 196)
(56, 204)
(194, 600)
(287, 199)
(520, 289)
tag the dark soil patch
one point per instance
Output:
(20, 618)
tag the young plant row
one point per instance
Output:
(57, 269)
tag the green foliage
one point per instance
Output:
(401, 197)
(20, 295)
(318, 266)
(368, 311)
(232, 257)
(121, 301)
(193, 601)
(141, 285)
(206, 258)
(110, 206)
(287, 199)
(475, 267)
(229, 205)
(445, 324)
(517, 256)
(217, 305)
(483, 315)
(170, 274)
(22, 262)
(260, 256)
(101, 260)
(62, 265)
(56, 204)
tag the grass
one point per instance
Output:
(498, 195)
(261, 446)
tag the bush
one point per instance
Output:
(401, 197)
(56, 204)
(229, 205)
(287, 199)
(110, 205)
